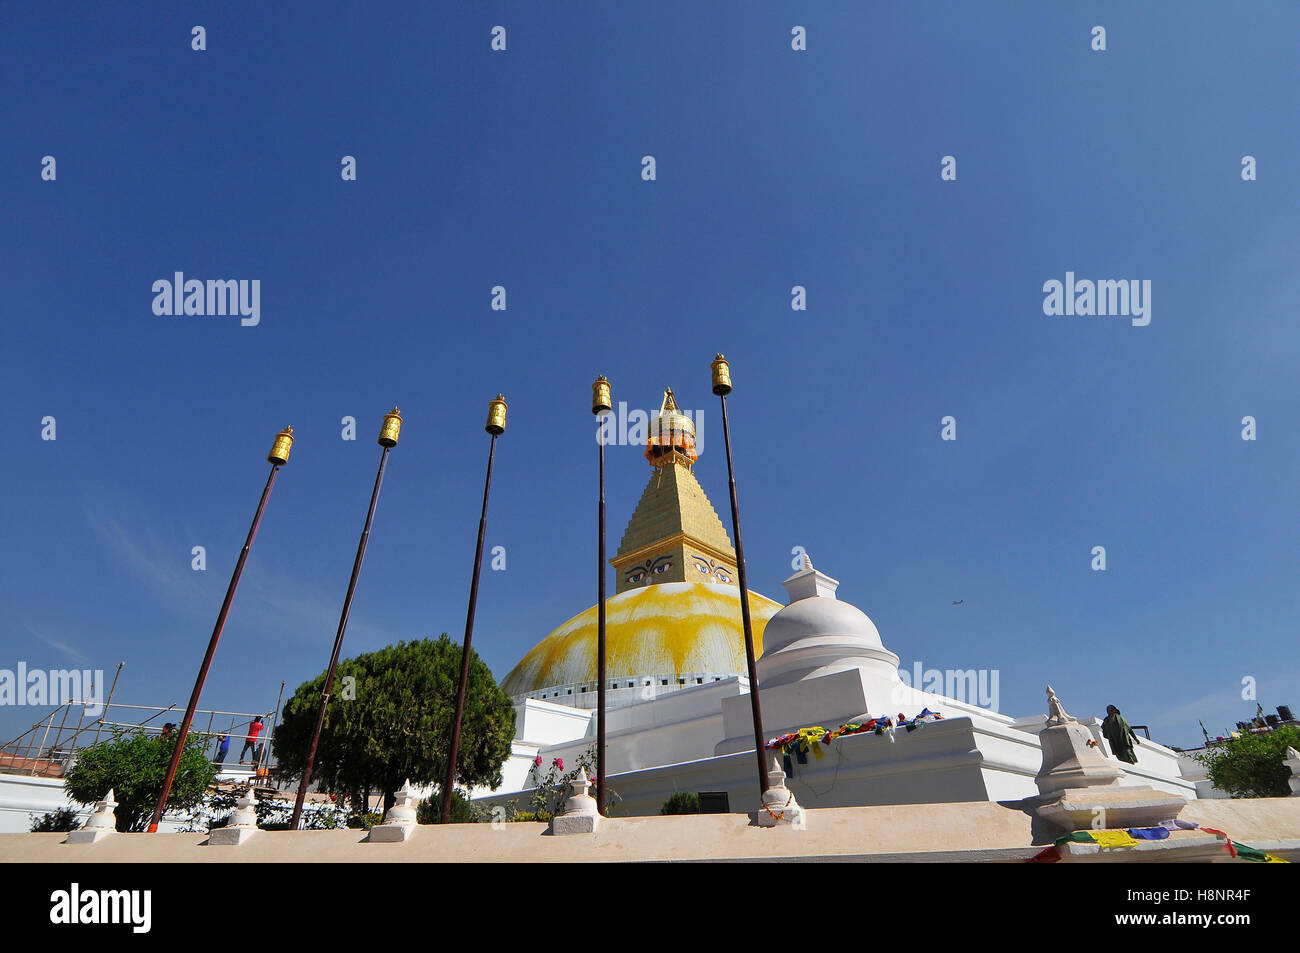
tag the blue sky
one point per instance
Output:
(775, 168)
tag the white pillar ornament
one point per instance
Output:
(580, 815)
(400, 821)
(778, 806)
(99, 825)
(1292, 761)
(1079, 787)
(242, 825)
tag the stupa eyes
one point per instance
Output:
(708, 567)
(656, 566)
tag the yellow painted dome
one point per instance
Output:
(673, 627)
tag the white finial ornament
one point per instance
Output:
(808, 583)
(580, 815)
(101, 823)
(1292, 761)
(400, 821)
(242, 824)
(778, 806)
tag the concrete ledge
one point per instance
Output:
(977, 831)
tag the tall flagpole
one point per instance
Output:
(722, 387)
(388, 437)
(278, 457)
(496, 425)
(600, 405)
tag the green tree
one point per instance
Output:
(133, 766)
(389, 719)
(1251, 764)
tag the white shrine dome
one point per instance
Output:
(817, 634)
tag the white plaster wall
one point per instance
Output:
(22, 796)
(545, 723)
(939, 762)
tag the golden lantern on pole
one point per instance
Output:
(279, 454)
(721, 372)
(391, 430)
(389, 433)
(278, 457)
(601, 403)
(496, 419)
(496, 426)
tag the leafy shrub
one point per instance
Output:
(463, 811)
(133, 765)
(1251, 764)
(61, 821)
(542, 816)
(683, 802)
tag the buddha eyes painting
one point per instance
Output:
(708, 567)
(656, 566)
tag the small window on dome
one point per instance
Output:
(631, 685)
(569, 692)
(699, 681)
(663, 681)
(681, 681)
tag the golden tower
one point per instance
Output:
(674, 534)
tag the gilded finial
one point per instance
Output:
(670, 435)
(391, 430)
(279, 454)
(600, 396)
(721, 376)
(496, 420)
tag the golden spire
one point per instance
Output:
(674, 534)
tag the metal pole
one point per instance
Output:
(600, 638)
(601, 404)
(103, 715)
(275, 723)
(450, 778)
(41, 746)
(184, 731)
(81, 720)
(63, 723)
(755, 707)
(338, 647)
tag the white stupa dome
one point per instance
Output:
(817, 634)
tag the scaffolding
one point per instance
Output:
(34, 753)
